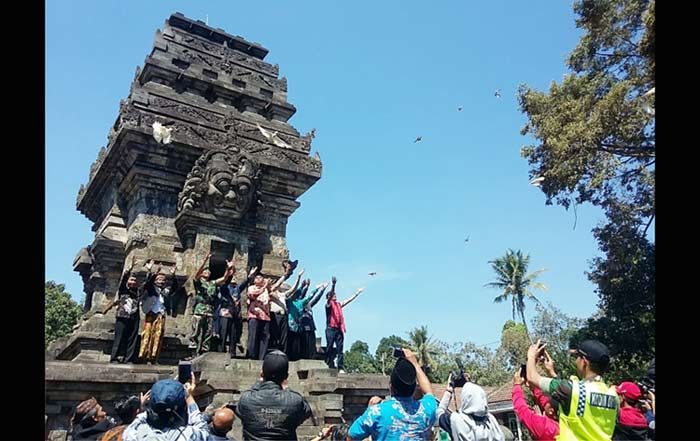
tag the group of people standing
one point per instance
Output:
(277, 318)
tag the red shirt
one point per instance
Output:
(541, 427)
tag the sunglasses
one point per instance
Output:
(578, 353)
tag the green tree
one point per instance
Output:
(514, 282)
(626, 280)
(514, 344)
(61, 313)
(485, 366)
(358, 360)
(384, 355)
(425, 348)
(557, 329)
(596, 130)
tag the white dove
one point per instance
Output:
(537, 181)
(272, 137)
(162, 133)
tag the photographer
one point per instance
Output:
(269, 410)
(540, 427)
(401, 416)
(472, 422)
(587, 407)
(172, 413)
(631, 423)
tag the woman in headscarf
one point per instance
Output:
(472, 422)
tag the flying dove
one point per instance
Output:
(537, 181)
(162, 133)
(272, 137)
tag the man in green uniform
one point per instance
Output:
(587, 407)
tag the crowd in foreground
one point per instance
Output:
(582, 407)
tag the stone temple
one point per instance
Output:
(215, 183)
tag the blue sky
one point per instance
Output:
(370, 77)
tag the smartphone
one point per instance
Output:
(184, 371)
(523, 371)
(398, 353)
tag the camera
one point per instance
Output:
(398, 352)
(459, 378)
(646, 385)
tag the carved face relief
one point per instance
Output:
(220, 179)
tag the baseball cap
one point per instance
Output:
(629, 390)
(275, 366)
(593, 350)
(168, 394)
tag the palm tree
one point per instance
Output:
(423, 346)
(514, 282)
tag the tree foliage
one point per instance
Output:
(514, 344)
(596, 129)
(626, 281)
(358, 360)
(61, 312)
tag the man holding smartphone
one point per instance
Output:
(407, 414)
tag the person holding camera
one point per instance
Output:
(587, 407)
(631, 422)
(269, 410)
(410, 411)
(171, 414)
(541, 427)
(472, 422)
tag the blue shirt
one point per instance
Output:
(397, 419)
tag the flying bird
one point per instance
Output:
(418, 139)
(466, 240)
(372, 274)
(161, 133)
(460, 108)
(537, 181)
(272, 137)
(498, 93)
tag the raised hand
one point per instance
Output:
(190, 386)
(144, 398)
(172, 270)
(517, 379)
(133, 262)
(360, 290)
(253, 271)
(149, 265)
(334, 280)
(301, 273)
